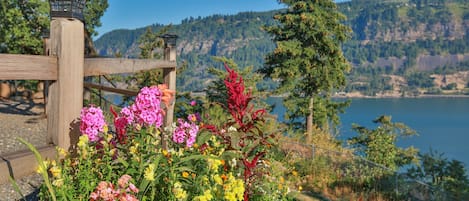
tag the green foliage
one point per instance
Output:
(379, 145)
(419, 79)
(308, 60)
(150, 44)
(442, 175)
(21, 26)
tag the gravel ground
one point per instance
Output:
(26, 120)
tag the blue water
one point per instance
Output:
(441, 123)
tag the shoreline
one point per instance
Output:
(399, 97)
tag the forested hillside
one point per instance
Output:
(403, 47)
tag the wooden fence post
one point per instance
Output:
(169, 75)
(66, 94)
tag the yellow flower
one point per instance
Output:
(55, 171)
(58, 182)
(133, 149)
(185, 174)
(234, 189)
(214, 164)
(82, 141)
(105, 128)
(217, 179)
(61, 151)
(108, 137)
(42, 167)
(179, 192)
(150, 172)
(294, 173)
(207, 196)
(300, 188)
(165, 152)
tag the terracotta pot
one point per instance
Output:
(5, 90)
(40, 86)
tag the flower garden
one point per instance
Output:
(136, 158)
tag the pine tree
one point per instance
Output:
(308, 60)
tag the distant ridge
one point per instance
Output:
(399, 35)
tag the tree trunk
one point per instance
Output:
(309, 120)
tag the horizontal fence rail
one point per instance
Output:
(106, 66)
(27, 67)
(111, 89)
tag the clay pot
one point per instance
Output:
(5, 90)
(40, 86)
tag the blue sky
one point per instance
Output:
(132, 14)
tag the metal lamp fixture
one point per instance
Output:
(67, 8)
(169, 39)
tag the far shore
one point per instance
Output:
(355, 95)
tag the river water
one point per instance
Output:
(442, 124)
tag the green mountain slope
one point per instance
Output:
(390, 37)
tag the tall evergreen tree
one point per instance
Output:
(308, 60)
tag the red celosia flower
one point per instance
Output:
(237, 99)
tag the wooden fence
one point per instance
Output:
(65, 67)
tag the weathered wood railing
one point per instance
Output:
(66, 67)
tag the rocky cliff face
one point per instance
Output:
(418, 34)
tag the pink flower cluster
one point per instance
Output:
(106, 191)
(147, 109)
(92, 122)
(186, 131)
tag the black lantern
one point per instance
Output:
(169, 39)
(67, 8)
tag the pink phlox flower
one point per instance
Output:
(92, 122)
(147, 109)
(193, 103)
(185, 131)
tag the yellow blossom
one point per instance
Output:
(234, 189)
(109, 137)
(207, 196)
(58, 182)
(42, 167)
(179, 192)
(217, 179)
(185, 174)
(294, 173)
(82, 141)
(165, 152)
(105, 128)
(61, 151)
(55, 171)
(133, 149)
(214, 164)
(150, 172)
